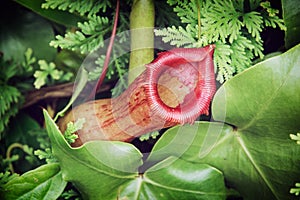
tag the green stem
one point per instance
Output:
(142, 36)
(8, 154)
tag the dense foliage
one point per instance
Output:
(236, 26)
(257, 110)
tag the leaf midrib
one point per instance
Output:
(253, 120)
(256, 166)
(149, 181)
(268, 102)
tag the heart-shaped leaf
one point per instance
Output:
(174, 178)
(109, 170)
(44, 182)
(255, 153)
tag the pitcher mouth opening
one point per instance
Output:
(175, 109)
(197, 99)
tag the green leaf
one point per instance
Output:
(236, 31)
(255, 152)
(269, 92)
(99, 167)
(5, 177)
(106, 169)
(185, 141)
(47, 70)
(62, 17)
(44, 182)
(176, 178)
(291, 14)
(20, 30)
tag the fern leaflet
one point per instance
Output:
(236, 32)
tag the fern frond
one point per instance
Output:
(235, 29)
(222, 62)
(118, 67)
(9, 95)
(9, 99)
(258, 48)
(221, 20)
(186, 11)
(11, 85)
(88, 39)
(72, 127)
(179, 37)
(274, 22)
(90, 35)
(82, 7)
(242, 48)
(253, 22)
(95, 25)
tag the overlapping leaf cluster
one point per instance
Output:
(13, 84)
(10, 97)
(235, 29)
(91, 34)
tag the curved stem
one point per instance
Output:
(8, 154)
(108, 53)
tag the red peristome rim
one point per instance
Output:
(202, 94)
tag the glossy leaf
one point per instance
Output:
(291, 14)
(109, 170)
(20, 30)
(62, 17)
(98, 168)
(186, 140)
(44, 182)
(174, 178)
(255, 152)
